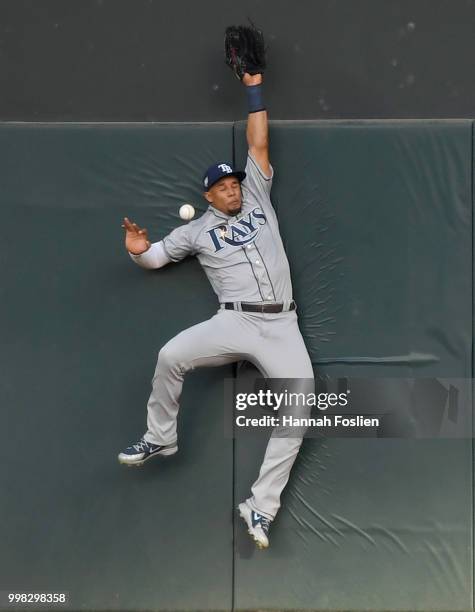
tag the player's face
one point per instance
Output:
(225, 195)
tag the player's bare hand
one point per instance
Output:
(136, 238)
(252, 79)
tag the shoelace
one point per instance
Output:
(265, 524)
(143, 445)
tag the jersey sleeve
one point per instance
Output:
(178, 244)
(256, 183)
(155, 257)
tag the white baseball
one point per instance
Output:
(187, 212)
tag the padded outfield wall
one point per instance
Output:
(377, 222)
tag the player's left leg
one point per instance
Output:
(284, 357)
(223, 339)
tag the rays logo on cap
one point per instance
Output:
(217, 171)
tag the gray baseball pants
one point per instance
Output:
(274, 344)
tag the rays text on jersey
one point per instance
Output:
(240, 232)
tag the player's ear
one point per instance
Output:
(208, 197)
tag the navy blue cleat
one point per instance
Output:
(257, 525)
(139, 453)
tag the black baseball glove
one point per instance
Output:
(245, 49)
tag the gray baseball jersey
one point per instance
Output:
(243, 256)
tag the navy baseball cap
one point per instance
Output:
(218, 171)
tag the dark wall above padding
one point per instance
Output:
(149, 60)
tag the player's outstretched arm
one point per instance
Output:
(257, 131)
(141, 250)
(245, 54)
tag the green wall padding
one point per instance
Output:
(376, 218)
(377, 222)
(81, 329)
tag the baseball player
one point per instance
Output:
(238, 244)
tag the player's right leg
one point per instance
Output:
(284, 361)
(220, 340)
